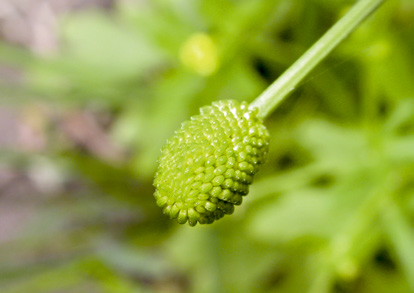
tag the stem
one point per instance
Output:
(287, 82)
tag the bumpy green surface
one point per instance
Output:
(208, 165)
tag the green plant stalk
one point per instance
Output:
(287, 82)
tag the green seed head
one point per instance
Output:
(208, 165)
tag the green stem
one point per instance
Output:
(287, 82)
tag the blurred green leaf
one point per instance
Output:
(400, 235)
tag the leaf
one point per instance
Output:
(401, 149)
(126, 52)
(298, 214)
(400, 235)
(340, 147)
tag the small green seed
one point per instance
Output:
(244, 166)
(193, 215)
(208, 177)
(203, 196)
(230, 173)
(206, 187)
(200, 209)
(217, 181)
(220, 170)
(215, 191)
(211, 207)
(161, 202)
(182, 217)
(228, 183)
(174, 211)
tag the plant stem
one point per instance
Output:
(287, 82)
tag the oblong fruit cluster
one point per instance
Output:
(208, 165)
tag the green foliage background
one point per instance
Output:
(331, 211)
